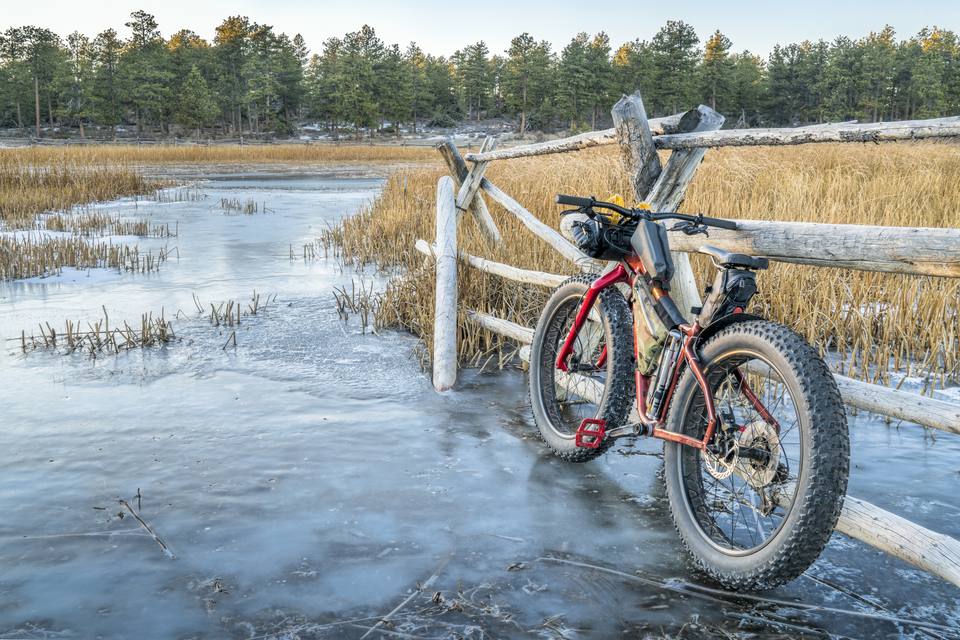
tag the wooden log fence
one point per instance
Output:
(913, 251)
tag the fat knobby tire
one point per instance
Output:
(825, 455)
(619, 388)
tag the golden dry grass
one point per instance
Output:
(188, 154)
(877, 322)
(34, 180)
(37, 180)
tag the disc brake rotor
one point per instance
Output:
(721, 465)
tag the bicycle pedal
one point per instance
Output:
(590, 433)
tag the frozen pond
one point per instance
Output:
(307, 481)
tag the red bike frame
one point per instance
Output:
(654, 425)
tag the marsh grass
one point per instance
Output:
(98, 336)
(248, 207)
(57, 180)
(132, 156)
(92, 224)
(362, 301)
(41, 256)
(876, 323)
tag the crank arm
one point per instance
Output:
(634, 429)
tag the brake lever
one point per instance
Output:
(690, 228)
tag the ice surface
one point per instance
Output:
(309, 479)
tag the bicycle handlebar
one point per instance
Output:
(591, 203)
(575, 201)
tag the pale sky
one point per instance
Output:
(442, 27)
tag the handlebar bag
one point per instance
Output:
(650, 243)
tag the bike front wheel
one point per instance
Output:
(757, 508)
(599, 383)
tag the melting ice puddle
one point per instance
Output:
(312, 477)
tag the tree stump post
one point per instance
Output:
(445, 309)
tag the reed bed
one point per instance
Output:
(40, 255)
(189, 154)
(234, 206)
(362, 301)
(229, 313)
(99, 337)
(91, 224)
(876, 323)
(35, 181)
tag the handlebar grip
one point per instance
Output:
(574, 201)
(720, 223)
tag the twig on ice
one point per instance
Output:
(143, 523)
(419, 589)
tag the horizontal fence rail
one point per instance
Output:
(663, 138)
(910, 250)
(572, 143)
(902, 250)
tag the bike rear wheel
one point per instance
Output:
(599, 384)
(759, 508)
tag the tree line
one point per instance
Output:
(253, 80)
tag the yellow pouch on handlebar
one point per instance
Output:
(617, 199)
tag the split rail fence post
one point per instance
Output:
(636, 143)
(445, 309)
(478, 207)
(667, 195)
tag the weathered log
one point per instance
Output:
(893, 403)
(636, 143)
(503, 327)
(478, 207)
(471, 185)
(909, 250)
(903, 405)
(546, 233)
(933, 552)
(445, 309)
(841, 132)
(668, 193)
(527, 276)
(658, 126)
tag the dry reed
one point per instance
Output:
(179, 154)
(99, 337)
(96, 223)
(875, 322)
(30, 256)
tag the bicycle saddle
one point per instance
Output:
(728, 259)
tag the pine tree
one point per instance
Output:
(599, 86)
(527, 71)
(76, 85)
(633, 68)
(675, 57)
(196, 105)
(574, 79)
(475, 76)
(145, 80)
(716, 70)
(230, 45)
